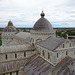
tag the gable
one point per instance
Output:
(51, 43)
(66, 44)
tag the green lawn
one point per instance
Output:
(0, 42)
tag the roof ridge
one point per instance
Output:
(32, 57)
(61, 60)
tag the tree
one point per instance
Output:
(58, 33)
(63, 35)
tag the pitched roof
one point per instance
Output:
(12, 65)
(23, 35)
(73, 40)
(9, 66)
(39, 66)
(51, 43)
(11, 43)
(15, 48)
(62, 65)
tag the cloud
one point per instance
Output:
(27, 12)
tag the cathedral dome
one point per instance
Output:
(10, 27)
(43, 24)
(10, 23)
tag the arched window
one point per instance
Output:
(48, 55)
(32, 40)
(15, 55)
(33, 44)
(6, 56)
(74, 52)
(24, 54)
(66, 53)
(16, 72)
(57, 55)
(10, 73)
(63, 45)
(43, 53)
(70, 44)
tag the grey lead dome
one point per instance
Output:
(43, 24)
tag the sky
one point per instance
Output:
(24, 13)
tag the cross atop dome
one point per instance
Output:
(42, 14)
